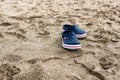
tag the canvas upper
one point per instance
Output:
(69, 38)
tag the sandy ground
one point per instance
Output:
(30, 40)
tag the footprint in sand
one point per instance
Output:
(107, 62)
(36, 73)
(7, 71)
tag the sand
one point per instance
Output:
(30, 40)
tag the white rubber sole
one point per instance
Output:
(81, 36)
(72, 47)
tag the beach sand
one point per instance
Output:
(30, 40)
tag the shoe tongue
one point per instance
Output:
(74, 26)
(68, 27)
(69, 33)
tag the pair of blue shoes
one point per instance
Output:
(69, 36)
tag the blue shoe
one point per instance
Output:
(79, 32)
(70, 41)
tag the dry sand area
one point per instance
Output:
(30, 40)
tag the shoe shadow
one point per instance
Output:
(82, 38)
